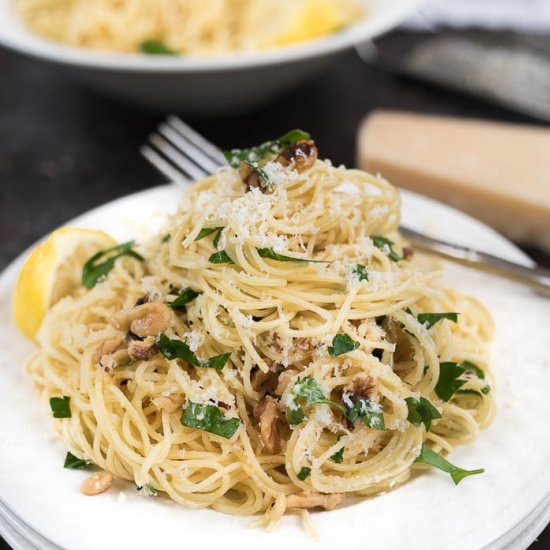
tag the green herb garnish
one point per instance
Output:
(220, 257)
(430, 319)
(449, 380)
(75, 463)
(93, 271)
(257, 169)
(338, 456)
(177, 349)
(156, 47)
(147, 490)
(206, 231)
(361, 271)
(166, 238)
(386, 245)
(184, 297)
(272, 255)
(295, 416)
(210, 419)
(303, 473)
(342, 343)
(421, 412)
(61, 406)
(370, 413)
(428, 456)
(472, 367)
(469, 366)
(255, 154)
(311, 392)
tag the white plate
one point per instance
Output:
(207, 85)
(428, 513)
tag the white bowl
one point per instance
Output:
(202, 85)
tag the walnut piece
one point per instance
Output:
(267, 413)
(142, 349)
(361, 385)
(144, 320)
(300, 155)
(310, 499)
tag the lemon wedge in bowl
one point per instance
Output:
(53, 270)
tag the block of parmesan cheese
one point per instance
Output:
(499, 173)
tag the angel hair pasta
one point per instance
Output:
(278, 347)
(186, 26)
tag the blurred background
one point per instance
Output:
(66, 148)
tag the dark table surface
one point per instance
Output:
(64, 149)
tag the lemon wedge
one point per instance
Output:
(314, 18)
(52, 270)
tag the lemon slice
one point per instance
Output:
(314, 18)
(53, 270)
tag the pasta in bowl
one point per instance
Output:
(217, 64)
(201, 27)
(278, 347)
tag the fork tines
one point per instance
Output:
(180, 153)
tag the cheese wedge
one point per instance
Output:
(499, 173)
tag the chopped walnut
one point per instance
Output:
(408, 252)
(301, 155)
(108, 347)
(308, 499)
(144, 320)
(361, 385)
(170, 403)
(267, 413)
(112, 353)
(265, 382)
(142, 349)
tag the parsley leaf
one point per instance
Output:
(209, 419)
(206, 231)
(176, 349)
(361, 271)
(449, 383)
(386, 245)
(469, 366)
(156, 47)
(309, 389)
(147, 490)
(421, 412)
(303, 473)
(428, 456)
(371, 414)
(166, 238)
(472, 367)
(342, 343)
(255, 167)
(220, 257)
(255, 154)
(93, 271)
(295, 416)
(75, 463)
(61, 407)
(185, 296)
(338, 456)
(430, 319)
(272, 255)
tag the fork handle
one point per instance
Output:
(537, 277)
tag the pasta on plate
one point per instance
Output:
(186, 26)
(277, 348)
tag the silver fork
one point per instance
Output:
(183, 156)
